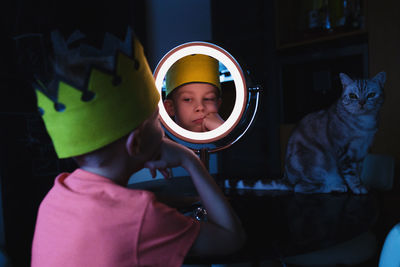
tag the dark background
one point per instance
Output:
(294, 82)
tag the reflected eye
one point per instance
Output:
(371, 95)
(353, 96)
(186, 99)
(209, 99)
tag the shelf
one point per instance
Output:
(314, 22)
(323, 38)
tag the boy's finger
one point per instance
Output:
(165, 173)
(203, 126)
(152, 172)
(156, 164)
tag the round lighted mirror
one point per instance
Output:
(230, 75)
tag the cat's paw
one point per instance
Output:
(338, 189)
(359, 190)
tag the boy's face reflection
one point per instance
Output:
(191, 103)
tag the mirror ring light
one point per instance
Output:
(233, 67)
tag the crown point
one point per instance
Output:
(87, 96)
(60, 107)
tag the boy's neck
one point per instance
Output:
(116, 174)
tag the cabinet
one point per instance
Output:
(310, 59)
(315, 41)
(384, 55)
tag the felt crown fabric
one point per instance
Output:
(193, 68)
(112, 104)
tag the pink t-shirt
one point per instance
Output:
(87, 220)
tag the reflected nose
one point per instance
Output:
(199, 106)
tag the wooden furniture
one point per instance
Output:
(383, 43)
(309, 58)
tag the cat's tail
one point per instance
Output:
(280, 184)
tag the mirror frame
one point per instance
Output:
(205, 48)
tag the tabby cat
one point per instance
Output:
(326, 150)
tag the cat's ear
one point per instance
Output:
(346, 80)
(380, 78)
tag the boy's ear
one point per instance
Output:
(169, 107)
(132, 143)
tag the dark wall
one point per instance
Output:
(247, 32)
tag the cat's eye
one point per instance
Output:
(371, 95)
(353, 96)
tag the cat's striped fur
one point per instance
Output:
(325, 152)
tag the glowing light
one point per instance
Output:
(231, 64)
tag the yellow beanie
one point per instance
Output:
(193, 68)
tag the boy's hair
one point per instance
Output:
(94, 96)
(102, 155)
(176, 90)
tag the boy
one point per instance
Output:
(193, 93)
(105, 116)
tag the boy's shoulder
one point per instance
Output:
(84, 184)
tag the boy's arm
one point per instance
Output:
(222, 233)
(178, 202)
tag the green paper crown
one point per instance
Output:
(116, 109)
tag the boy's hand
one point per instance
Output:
(171, 154)
(212, 121)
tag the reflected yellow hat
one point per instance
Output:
(193, 68)
(122, 100)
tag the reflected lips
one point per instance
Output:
(198, 121)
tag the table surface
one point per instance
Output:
(281, 223)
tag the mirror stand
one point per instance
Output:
(244, 125)
(242, 103)
(205, 157)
